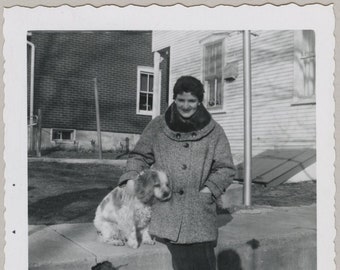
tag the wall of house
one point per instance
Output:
(110, 141)
(66, 64)
(277, 122)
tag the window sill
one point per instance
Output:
(299, 102)
(217, 111)
(147, 113)
(63, 141)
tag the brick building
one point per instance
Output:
(65, 66)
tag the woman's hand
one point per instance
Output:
(205, 190)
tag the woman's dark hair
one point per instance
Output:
(191, 85)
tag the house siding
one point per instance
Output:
(276, 122)
(67, 62)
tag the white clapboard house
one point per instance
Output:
(283, 93)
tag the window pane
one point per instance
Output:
(144, 82)
(66, 135)
(211, 91)
(309, 41)
(214, 90)
(218, 61)
(55, 135)
(218, 92)
(309, 76)
(150, 102)
(151, 83)
(142, 102)
(213, 61)
(308, 58)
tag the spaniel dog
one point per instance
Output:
(124, 214)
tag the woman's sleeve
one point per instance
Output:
(222, 170)
(142, 156)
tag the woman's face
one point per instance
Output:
(186, 104)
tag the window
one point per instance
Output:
(304, 68)
(63, 135)
(212, 70)
(145, 90)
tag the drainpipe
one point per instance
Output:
(156, 85)
(247, 118)
(31, 92)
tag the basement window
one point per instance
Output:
(63, 135)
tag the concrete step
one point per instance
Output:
(261, 238)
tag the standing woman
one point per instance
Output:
(194, 152)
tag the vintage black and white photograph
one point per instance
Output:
(173, 148)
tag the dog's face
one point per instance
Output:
(152, 183)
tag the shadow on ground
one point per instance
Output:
(71, 207)
(229, 259)
(69, 193)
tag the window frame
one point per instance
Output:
(140, 70)
(299, 74)
(205, 44)
(73, 135)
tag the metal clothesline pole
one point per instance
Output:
(247, 118)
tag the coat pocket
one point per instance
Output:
(202, 217)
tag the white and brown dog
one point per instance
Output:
(124, 214)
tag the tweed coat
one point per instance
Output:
(191, 161)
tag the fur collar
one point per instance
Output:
(200, 119)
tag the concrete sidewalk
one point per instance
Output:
(264, 239)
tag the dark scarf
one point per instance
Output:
(196, 122)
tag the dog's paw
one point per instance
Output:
(149, 242)
(116, 242)
(132, 243)
(111, 241)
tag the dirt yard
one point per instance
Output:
(58, 152)
(70, 193)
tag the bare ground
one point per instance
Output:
(70, 193)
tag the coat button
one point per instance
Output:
(186, 145)
(181, 192)
(184, 166)
(194, 134)
(178, 136)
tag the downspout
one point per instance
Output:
(156, 85)
(31, 91)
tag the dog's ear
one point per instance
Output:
(144, 186)
(130, 186)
